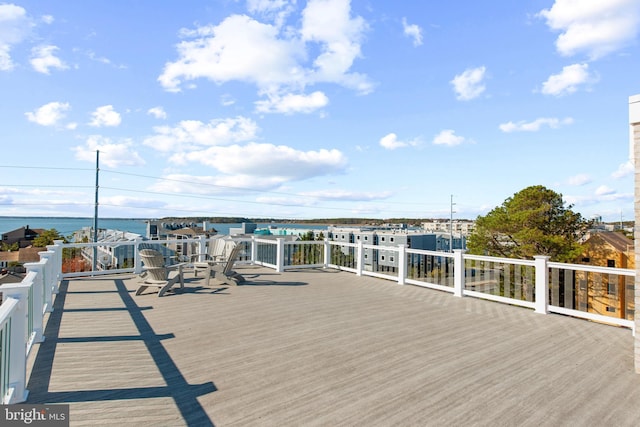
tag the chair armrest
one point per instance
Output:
(176, 266)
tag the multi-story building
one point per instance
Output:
(391, 237)
(461, 227)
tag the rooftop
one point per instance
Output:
(324, 347)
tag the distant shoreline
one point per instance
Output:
(239, 220)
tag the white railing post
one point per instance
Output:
(327, 252)
(542, 284)
(137, 259)
(402, 264)
(280, 254)
(49, 278)
(254, 249)
(18, 343)
(359, 258)
(458, 272)
(37, 287)
(57, 265)
(203, 248)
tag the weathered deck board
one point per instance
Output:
(325, 348)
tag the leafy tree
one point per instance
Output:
(534, 221)
(9, 247)
(47, 237)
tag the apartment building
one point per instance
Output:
(461, 227)
(377, 257)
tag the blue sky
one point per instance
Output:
(313, 109)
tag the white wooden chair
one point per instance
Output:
(216, 252)
(158, 274)
(223, 271)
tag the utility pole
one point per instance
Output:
(451, 226)
(621, 223)
(95, 213)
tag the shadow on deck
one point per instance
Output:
(183, 394)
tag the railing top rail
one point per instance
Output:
(6, 309)
(271, 241)
(127, 242)
(428, 252)
(592, 268)
(499, 259)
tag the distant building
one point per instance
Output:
(375, 258)
(109, 256)
(461, 227)
(23, 236)
(604, 294)
(159, 230)
(245, 228)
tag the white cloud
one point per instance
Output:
(346, 195)
(469, 84)
(15, 26)
(276, 10)
(449, 138)
(49, 114)
(112, 154)
(535, 125)
(215, 185)
(105, 116)
(413, 31)
(267, 161)
(604, 190)
(47, 19)
(131, 202)
(194, 134)
(579, 180)
(568, 81)
(625, 169)
(43, 59)
(157, 112)
(291, 103)
(391, 142)
(241, 48)
(266, 6)
(595, 27)
(227, 100)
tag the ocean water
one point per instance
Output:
(66, 226)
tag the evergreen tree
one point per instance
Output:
(534, 221)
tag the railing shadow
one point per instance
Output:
(184, 395)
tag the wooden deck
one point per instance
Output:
(325, 348)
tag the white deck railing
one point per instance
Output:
(595, 293)
(22, 315)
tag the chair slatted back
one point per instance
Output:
(233, 255)
(154, 262)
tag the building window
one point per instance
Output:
(611, 263)
(611, 289)
(382, 238)
(381, 257)
(391, 259)
(611, 309)
(391, 239)
(586, 259)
